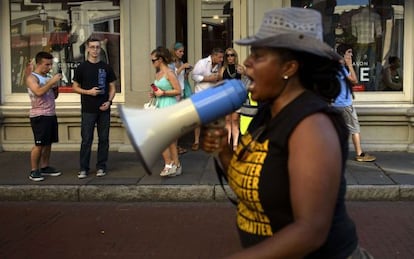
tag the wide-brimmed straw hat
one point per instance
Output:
(292, 28)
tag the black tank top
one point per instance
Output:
(261, 180)
(230, 72)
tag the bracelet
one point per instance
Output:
(110, 102)
(163, 92)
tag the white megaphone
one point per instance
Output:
(152, 131)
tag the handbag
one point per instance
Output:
(187, 89)
(151, 104)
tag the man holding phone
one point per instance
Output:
(43, 91)
(94, 80)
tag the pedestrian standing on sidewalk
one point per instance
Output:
(182, 70)
(344, 102)
(43, 91)
(94, 80)
(288, 173)
(167, 89)
(231, 69)
(205, 74)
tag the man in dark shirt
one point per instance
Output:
(94, 80)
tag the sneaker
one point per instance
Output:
(365, 157)
(36, 176)
(100, 172)
(50, 171)
(178, 170)
(167, 170)
(82, 174)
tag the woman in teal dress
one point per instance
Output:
(168, 89)
(164, 100)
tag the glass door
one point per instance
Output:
(216, 25)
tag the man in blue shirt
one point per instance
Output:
(344, 102)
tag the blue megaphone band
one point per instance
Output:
(220, 100)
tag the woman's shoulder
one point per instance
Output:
(169, 73)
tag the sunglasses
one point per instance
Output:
(153, 60)
(230, 55)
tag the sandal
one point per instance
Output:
(178, 171)
(166, 170)
(195, 146)
(181, 150)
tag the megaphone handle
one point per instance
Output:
(220, 123)
(217, 124)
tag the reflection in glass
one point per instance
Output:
(374, 29)
(62, 28)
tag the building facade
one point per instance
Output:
(129, 30)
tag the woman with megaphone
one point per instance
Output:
(167, 88)
(288, 171)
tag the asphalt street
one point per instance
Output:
(169, 229)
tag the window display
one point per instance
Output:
(374, 29)
(62, 27)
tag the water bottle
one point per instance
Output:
(101, 80)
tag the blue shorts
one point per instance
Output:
(45, 130)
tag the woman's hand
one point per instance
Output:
(214, 139)
(240, 69)
(187, 66)
(159, 92)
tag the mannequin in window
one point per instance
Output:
(366, 27)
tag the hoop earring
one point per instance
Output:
(285, 77)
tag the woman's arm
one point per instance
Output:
(172, 78)
(314, 174)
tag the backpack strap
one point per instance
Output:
(221, 175)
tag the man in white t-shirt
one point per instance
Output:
(205, 74)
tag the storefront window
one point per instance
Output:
(374, 30)
(62, 27)
(217, 25)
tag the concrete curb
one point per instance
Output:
(380, 192)
(202, 193)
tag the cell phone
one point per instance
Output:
(154, 87)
